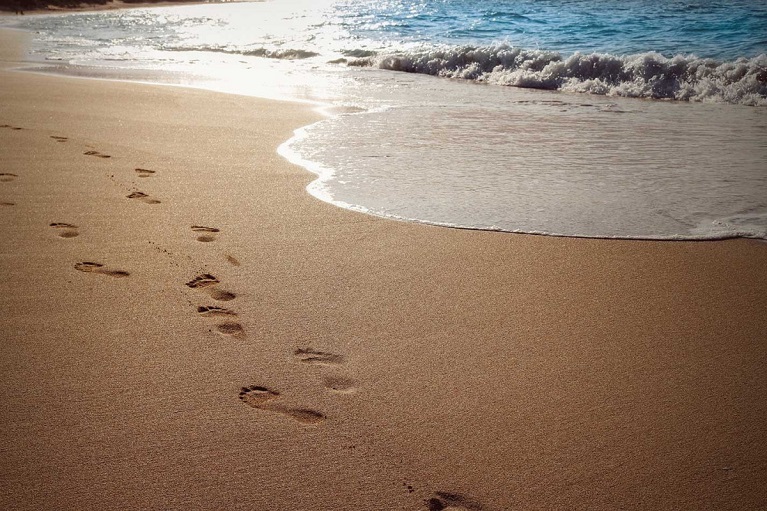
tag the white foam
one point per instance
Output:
(646, 75)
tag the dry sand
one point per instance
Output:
(366, 363)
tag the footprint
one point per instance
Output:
(212, 310)
(143, 197)
(232, 260)
(144, 172)
(206, 280)
(261, 398)
(66, 230)
(10, 127)
(90, 267)
(221, 295)
(59, 139)
(7, 203)
(7, 176)
(340, 384)
(97, 154)
(207, 230)
(203, 280)
(230, 328)
(257, 396)
(452, 501)
(311, 356)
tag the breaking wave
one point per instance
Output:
(646, 75)
(282, 54)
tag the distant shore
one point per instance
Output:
(23, 7)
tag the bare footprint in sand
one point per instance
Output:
(340, 384)
(59, 139)
(203, 280)
(6, 177)
(312, 356)
(221, 295)
(230, 328)
(65, 230)
(145, 172)
(207, 282)
(213, 310)
(256, 396)
(262, 398)
(141, 196)
(206, 233)
(449, 501)
(96, 154)
(90, 267)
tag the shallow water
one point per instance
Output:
(579, 158)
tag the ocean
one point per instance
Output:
(610, 119)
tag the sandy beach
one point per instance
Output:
(184, 327)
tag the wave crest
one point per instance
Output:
(646, 75)
(282, 54)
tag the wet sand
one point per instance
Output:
(184, 327)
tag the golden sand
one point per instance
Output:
(305, 357)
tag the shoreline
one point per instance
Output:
(339, 361)
(113, 5)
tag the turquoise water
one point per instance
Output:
(723, 30)
(631, 119)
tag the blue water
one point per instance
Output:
(627, 119)
(722, 30)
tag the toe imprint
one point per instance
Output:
(212, 310)
(145, 172)
(143, 197)
(200, 228)
(91, 267)
(311, 356)
(203, 280)
(257, 396)
(88, 266)
(65, 230)
(96, 154)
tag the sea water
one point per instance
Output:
(625, 119)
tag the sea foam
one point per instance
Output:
(646, 75)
